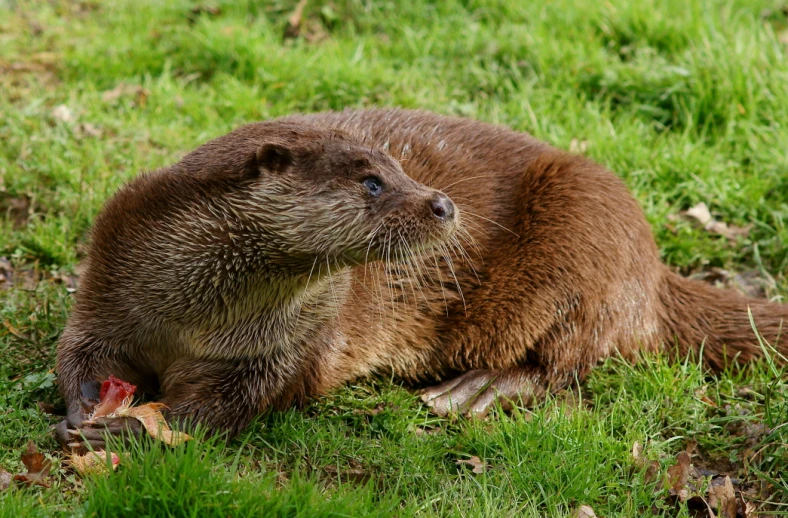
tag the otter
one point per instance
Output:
(284, 259)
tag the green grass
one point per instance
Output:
(687, 101)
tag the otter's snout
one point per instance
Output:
(442, 207)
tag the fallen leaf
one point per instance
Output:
(585, 511)
(37, 465)
(293, 27)
(651, 472)
(85, 129)
(139, 93)
(722, 497)
(69, 281)
(702, 215)
(477, 465)
(14, 331)
(744, 508)
(690, 446)
(94, 462)
(63, 113)
(746, 392)
(578, 147)
(678, 476)
(25, 278)
(700, 212)
(753, 283)
(5, 273)
(356, 474)
(5, 479)
(637, 453)
(153, 420)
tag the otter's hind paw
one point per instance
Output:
(474, 393)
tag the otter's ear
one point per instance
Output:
(272, 157)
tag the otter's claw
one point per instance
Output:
(477, 391)
(94, 435)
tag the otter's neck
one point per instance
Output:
(275, 316)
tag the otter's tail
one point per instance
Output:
(694, 313)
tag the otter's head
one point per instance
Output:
(322, 195)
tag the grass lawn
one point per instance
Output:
(686, 100)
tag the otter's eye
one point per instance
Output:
(374, 185)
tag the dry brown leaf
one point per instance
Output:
(690, 446)
(753, 283)
(293, 27)
(722, 497)
(652, 467)
(37, 465)
(14, 331)
(477, 464)
(744, 508)
(94, 462)
(139, 93)
(702, 215)
(637, 453)
(85, 129)
(678, 476)
(585, 511)
(578, 147)
(152, 419)
(25, 278)
(69, 281)
(651, 472)
(5, 273)
(418, 430)
(5, 479)
(63, 113)
(355, 474)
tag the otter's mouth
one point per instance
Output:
(393, 244)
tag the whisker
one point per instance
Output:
(371, 238)
(447, 258)
(418, 279)
(458, 246)
(390, 277)
(333, 291)
(468, 237)
(306, 290)
(465, 180)
(466, 211)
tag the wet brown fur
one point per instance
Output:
(554, 268)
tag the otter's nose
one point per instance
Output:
(442, 207)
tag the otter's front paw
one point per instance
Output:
(477, 391)
(80, 436)
(77, 433)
